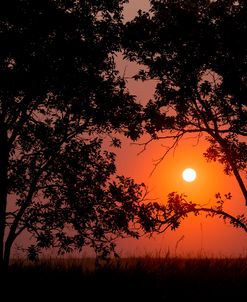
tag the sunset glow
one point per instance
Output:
(123, 120)
(189, 175)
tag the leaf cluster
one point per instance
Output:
(196, 52)
(61, 97)
(177, 208)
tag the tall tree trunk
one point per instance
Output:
(7, 250)
(238, 177)
(232, 164)
(4, 153)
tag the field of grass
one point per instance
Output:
(131, 279)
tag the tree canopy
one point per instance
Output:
(60, 95)
(196, 50)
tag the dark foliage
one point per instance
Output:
(177, 208)
(60, 96)
(196, 50)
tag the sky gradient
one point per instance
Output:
(196, 235)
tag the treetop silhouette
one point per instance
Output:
(197, 51)
(60, 95)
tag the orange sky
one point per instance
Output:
(209, 235)
(197, 235)
(133, 6)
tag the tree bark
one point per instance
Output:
(239, 179)
(233, 166)
(4, 154)
(7, 250)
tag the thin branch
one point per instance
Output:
(169, 222)
(172, 147)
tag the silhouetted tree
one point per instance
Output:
(196, 50)
(158, 217)
(60, 95)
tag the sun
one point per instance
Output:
(189, 175)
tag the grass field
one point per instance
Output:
(131, 279)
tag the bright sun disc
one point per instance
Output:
(189, 175)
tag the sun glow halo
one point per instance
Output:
(189, 175)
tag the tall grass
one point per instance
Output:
(131, 279)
